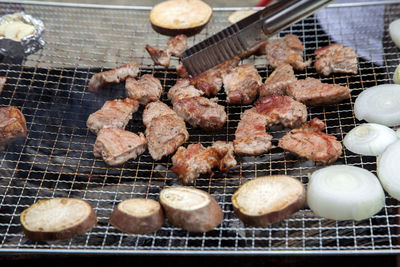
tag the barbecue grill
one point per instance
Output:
(56, 159)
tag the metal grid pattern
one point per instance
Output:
(56, 159)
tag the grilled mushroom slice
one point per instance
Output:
(138, 216)
(267, 200)
(175, 17)
(191, 209)
(57, 218)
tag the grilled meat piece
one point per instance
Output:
(116, 75)
(198, 111)
(313, 92)
(12, 125)
(159, 56)
(165, 130)
(181, 71)
(309, 142)
(146, 89)
(335, 58)
(251, 137)
(241, 84)
(288, 49)
(278, 81)
(201, 112)
(210, 81)
(257, 50)
(117, 146)
(2, 83)
(183, 89)
(114, 113)
(155, 109)
(282, 110)
(189, 163)
(175, 46)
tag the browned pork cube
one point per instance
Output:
(114, 113)
(210, 81)
(309, 142)
(176, 45)
(12, 125)
(117, 146)
(282, 110)
(116, 75)
(335, 58)
(277, 83)
(183, 89)
(165, 130)
(155, 109)
(251, 137)
(242, 84)
(313, 92)
(159, 56)
(146, 89)
(201, 112)
(189, 163)
(289, 50)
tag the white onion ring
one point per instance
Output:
(369, 139)
(379, 104)
(342, 192)
(396, 75)
(388, 170)
(394, 31)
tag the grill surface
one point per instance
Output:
(50, 88)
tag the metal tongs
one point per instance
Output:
(247, 33)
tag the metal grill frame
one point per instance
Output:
(56, 159)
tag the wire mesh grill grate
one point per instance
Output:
(50, 88)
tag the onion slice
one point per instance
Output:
(388, 170)
(369, 139)
(394, 31)
(396, 75)
(342, 192)
(379, 104)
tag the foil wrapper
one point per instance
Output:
(29, 44)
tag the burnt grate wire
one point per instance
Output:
(56, 159)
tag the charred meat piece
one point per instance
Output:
(2, 83)
(198, 111)
(288, 49)
(277, 83)
(146, 89)
(117, 146)
(183, 89)
(189, 163)
(309, 142)
(282, 110)
(12, 125)
(175, 46)
(251, 137)
(210, 81)
(159, 56)
(114, 113)
(165, 130)
(242, 84)
(335, 58)
(313, 92)
(201, 112)
(116, 75)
